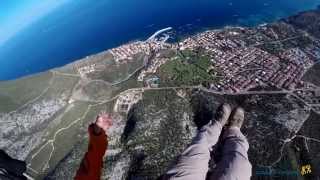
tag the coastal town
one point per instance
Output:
(240, 66)
(126, 52)
(245, 67)
(155, 43)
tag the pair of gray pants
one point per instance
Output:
(194, 161)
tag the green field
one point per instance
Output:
(186, 69)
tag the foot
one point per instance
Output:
(222, 114)
(237, 118)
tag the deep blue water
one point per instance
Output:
(85, 27)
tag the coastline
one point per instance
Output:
(180, 35)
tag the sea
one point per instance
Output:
(85, 27)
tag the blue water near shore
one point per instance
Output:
(85, 27)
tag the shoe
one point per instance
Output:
(223, 113)
(237, 117)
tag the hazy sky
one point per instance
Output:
(16, 15)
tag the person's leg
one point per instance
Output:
(234, 163)
(193, 162)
